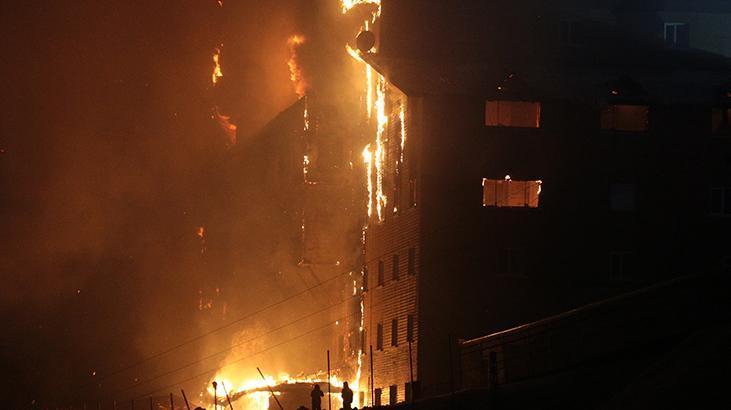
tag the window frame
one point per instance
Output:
(613, 119)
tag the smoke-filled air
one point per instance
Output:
(192, 204)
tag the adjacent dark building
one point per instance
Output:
(516, 181)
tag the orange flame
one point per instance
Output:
(295, 71)
(217, 73)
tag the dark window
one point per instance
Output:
(379, 337)
(410, 328)
(392, 395)
(412, 192)
(395, 267)
(365, 277)
(378, 393)
(508, 193)
(630, 118)
(397, 189)
(721, 201)
(720, 123)
(620, 264)
(508, 262)
(412, 262)
(412, 390)
(524, 114)
(622, 197)
(677, 35)
(381, 273)
(394, 332)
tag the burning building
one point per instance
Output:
(524, 177)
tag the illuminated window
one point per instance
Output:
(411, 267)
(394, 332)
(508, 193)
(379, 337)
(381, 273)
(721, 201)
(630, 118)
(392, 395)
(395, 267)
(720, 123)
(523, 114)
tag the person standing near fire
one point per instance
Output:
(347, 395)
(316, 395)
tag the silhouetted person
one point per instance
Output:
(347, 396)
(316, 395)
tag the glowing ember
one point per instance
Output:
(217, 72)
(295, 71)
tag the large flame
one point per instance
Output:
(368, 160)
(295, 71)
(347, 5)
(254, 394)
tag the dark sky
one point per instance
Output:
(107, 148)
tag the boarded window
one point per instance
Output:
(412, 261)
(379, 337)
(509, 193)
(394, 332)
(523, 114)
(392, 395)
(630, 118)
(720, 123)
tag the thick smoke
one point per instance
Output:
(111, 163)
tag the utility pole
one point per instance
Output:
(373, 393)
(329, 394)
(270, 389)
(185, 399)
(215, 397)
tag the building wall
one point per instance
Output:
(565, 246)
(399, 232)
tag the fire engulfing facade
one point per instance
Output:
(507, 185)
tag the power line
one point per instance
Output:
(218, 329)
(206, 372)
(158, 376)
